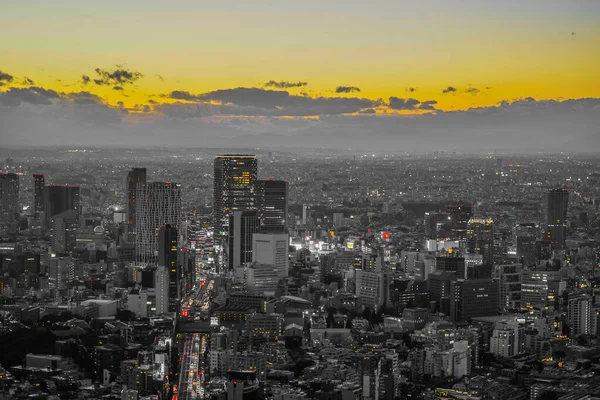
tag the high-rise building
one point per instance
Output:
(39, 184)
(242, 226)
(161, 285)
(480, 238)
(473, 298)
(234, 190)
(58, 199)
(168, 257)
(459, 214)
(63, 230)
(510, 277)
(556, 205)
(271, 249)
(451, 263)
(579, 315)
(272, 205)
(134, 177)
(158, 204)
(9, 198)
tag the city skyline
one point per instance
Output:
(512, 76)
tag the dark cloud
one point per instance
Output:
(117, 88)
(397, 103)
(5, 78)
(472, 90)
(428, 105)
(85, 79)
(284, 84)
(346, 89)
(263, 102)
(31, 95)
(84, 98)
(411, 89)
(117, 77)
(449, 89)
(27, 82)
(367, 111)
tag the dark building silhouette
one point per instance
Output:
(134, 177)
(480, 238)
(9, 198)
(556, 205)
(451, 263)
(473, 298)
(272, 205)
(58, 199)
(242, 225)
(39, 184)
(168, 257)
(459, 213)
(234, 190)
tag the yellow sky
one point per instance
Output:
(548, 54)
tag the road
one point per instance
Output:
(191, 381)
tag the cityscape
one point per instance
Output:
(273, 275)
(289, 200)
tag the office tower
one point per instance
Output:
(242, 226)
(9, 198)
(234, 190)
(579, 315)
(272, 205)
(63, 230)
(305, 213)
(459, 214)
(556, 205)
(161, 287)
(439, 288)
(473, 298)
(58, 199)
(39, 184)
(271, 249)
(371, 288)
(157, 204)
(480, 238)
(134, 177)
(168, 258)
(451, 263)
(509, 278)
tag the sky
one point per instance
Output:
(377, 74)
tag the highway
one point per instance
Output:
(191, 381)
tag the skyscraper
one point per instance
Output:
(271, 249)
(234, 190)
(480, 238)
(459, 213)
(39, 184)
(168, 258)
(272, 204)
(157, 204)
(134, 177)
(242, 226)
(63, 229)
(473, 298)
(58, 199)
(556, 205)
(9, 198)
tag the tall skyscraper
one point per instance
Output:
(272, 199)
(58, 199)
(63, 230)
(157, 204)
(271, 249)
(9, 198)
(579, 315)
(234, 190)
(168, 257)
(556, 205)
(480, 238)
(39, 184)
(242, 226)
(134, 177)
